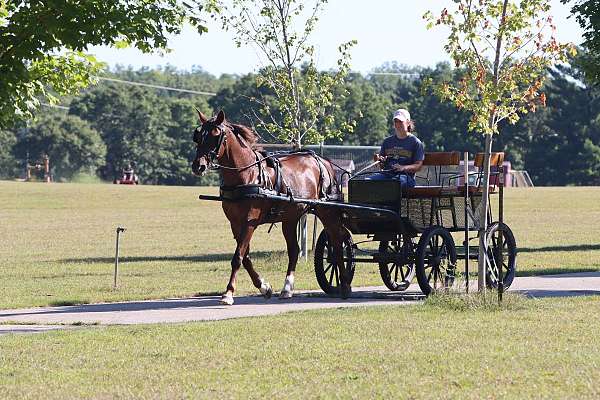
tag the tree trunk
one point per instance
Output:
(482, 266)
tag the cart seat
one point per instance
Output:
(420, 192)
(460, 190)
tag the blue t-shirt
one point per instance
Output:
(402, 151)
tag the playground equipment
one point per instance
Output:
(43, 165)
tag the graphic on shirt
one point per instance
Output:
(398, 152)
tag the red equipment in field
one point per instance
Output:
(128, 178)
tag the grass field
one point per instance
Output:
(57, 241)
(543, 349)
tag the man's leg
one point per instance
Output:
(406, 181)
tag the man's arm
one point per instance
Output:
(411, 168)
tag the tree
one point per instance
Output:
(43, 43)
(71, 143)
(503, 49)
(305, 98)
(567, 129)
(8, 164)
(133, 123)
(587, 13)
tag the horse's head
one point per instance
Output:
(210, 138)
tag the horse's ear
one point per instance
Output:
(202, 117)
(220, 118)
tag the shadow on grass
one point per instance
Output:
(575, 247)
(257, 255)
(555, 271)
(63, 303)
(261, 255)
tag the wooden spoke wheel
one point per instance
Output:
(508, 257)
(327, 273)
(398, 273)
(435, 260)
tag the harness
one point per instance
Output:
(265, 185)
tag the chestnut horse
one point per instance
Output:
(228, 147)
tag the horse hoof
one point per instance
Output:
(346, 291)
(285, 295)
(226, 300)
(266, 290)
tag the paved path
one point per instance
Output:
(208, 308)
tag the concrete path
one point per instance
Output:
(208, 308)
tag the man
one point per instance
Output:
(401, 154)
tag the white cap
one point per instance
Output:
(402, 114)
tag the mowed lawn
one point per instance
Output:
(57, 242)
(542, 349)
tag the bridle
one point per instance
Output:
(205, 132)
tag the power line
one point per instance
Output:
(396, 73)
(55, 106)
(156, 86)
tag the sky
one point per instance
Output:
(386, 30)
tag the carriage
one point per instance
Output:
(413, 228)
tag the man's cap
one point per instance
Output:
(402, 114)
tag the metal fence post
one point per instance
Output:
(119, 230)
(467, 253)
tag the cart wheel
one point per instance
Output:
(328, 274)
(509, 255)
(397, 275)
(436, 260)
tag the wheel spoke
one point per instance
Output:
(429, 276)
(331, 275)
(337, 277)
(432, 246)
(441, 248)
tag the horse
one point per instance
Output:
(228, 147)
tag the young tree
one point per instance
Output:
(43, 43)
(587, 13)
(305, 99)
(504, 49)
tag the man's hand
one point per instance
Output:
(399, 168)
(378, 157)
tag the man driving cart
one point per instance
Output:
(401, 154)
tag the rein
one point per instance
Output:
(215, 166)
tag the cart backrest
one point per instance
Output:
(442, 158)
(437, 168)
(496, 159)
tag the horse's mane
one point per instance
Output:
(248, 134)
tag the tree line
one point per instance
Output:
(112, 124)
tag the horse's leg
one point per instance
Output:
(240, 257)
(242, 237)
(259, 283)
(289, 232)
